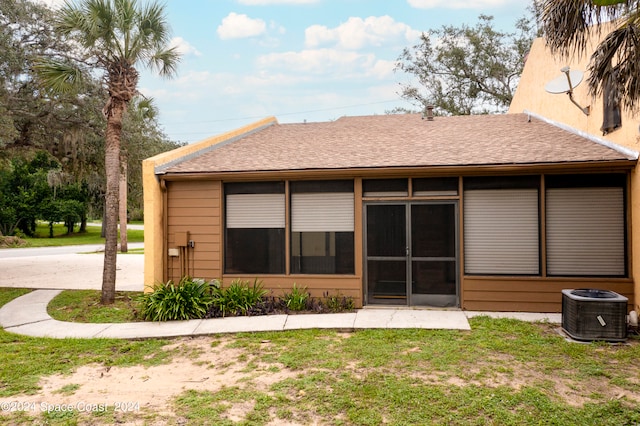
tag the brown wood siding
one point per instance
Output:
(194, 207)
(530, 294)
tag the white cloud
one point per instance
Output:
(200, 104)
(383, 69)
(456, 4)
(183, 47)
(272, 42)
(327, 63)
(240, 26)
(272, 2)
(357, 33)
(277, 28)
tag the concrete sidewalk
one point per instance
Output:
(27, 315)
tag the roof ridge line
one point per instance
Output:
(631, 153)
(234, 136)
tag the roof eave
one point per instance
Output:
(451, 170)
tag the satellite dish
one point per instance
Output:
(565, 84)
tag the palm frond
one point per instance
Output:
(125, 22)
(61, 77)
(153, 22)
(165, 62)
(568, 24)
(119, 35)
(152, 32)
(618, 58)
(145, 108)
(102, 27)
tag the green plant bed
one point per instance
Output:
(189, 299)
(244, 299)
(85, 306)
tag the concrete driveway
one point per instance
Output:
(77, 267)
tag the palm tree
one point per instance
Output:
(141, 110)
(113, 36)
(568, 26)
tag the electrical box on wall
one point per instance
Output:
(174, 252)
(182, 239)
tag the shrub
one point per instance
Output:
(12, 242)
(239, 298)
(189, 299)
(338, 302)
(297, 299)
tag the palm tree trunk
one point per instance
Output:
(112, 171)
(123, 205)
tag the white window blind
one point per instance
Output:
(501, 231)
(585, 231)
(255, 211)
(322, 212)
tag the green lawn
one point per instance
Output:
(502, 372)
(26, 359)
(85, 306)
(61, 238)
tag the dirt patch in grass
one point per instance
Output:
(211, 364)
(200, 368)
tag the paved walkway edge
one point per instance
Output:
(27, 315)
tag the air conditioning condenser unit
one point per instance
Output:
(592, 314)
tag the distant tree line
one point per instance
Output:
(35, 189)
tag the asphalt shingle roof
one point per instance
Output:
(407, 140)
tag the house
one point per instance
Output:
(493, 212)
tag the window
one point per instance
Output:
(501, 226)
(611, 117)
(385, 187)
(427, 187)
(255, 228)
(322, 223)
(586, 225)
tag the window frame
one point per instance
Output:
(337, 239)
(598, 183)
(475, 250)
(240, 255)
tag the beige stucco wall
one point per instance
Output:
(542, 67)
(154, 227)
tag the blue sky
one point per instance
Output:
(297, 60)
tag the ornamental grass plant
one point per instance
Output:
(297, 299)
(188, 299)
(238, 299)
